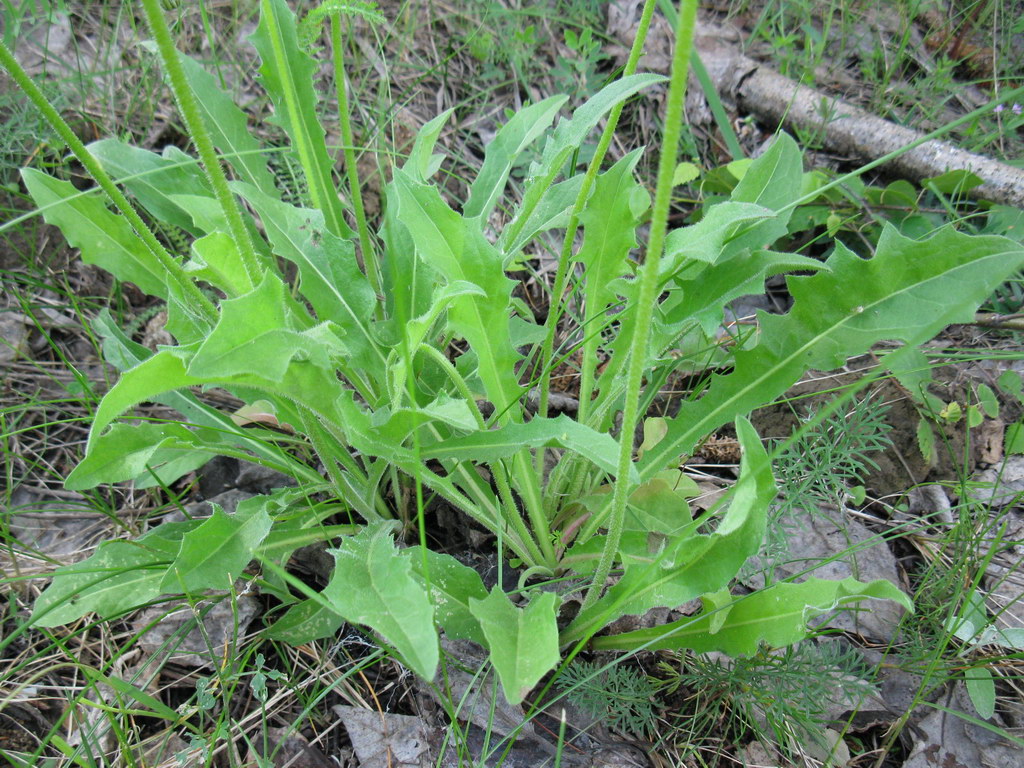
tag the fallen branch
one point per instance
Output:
(1013, 322)
(845, 129)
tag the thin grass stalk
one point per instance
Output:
(199, 304)
(647, 292)
(201, 138)
(370, 265)
(732, 142)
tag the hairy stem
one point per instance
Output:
(648, 279)
(565, 257)
(201, 138)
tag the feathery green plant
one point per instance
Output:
(785, 694)
(622, 697)
(825, 464)
(832, 456)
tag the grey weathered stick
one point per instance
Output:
(847, 129)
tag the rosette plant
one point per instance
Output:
(402, 371)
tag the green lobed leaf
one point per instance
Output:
(988, 401)
(776, 616)
(206, 212)
(525, 127)
(215, 259)
(459, 252)
(1011, 383)
(165, 539)
(416, 329)
(303, 385)
(705, 242)
(704, 297)
(774, 181)
(954, 182)
(567, 137)
(660, 505)
(552, 212)
(329, 275)
(691, 565)
(104, 238)
(399, 423)
(298, 522)
(301, 530)
(305, 622)
(228, 127)
(609, 230)
(208, 216)
(119, 576)
(373, 585)
(570, 134)
(261, 333)
(523, 642)
(907, 292)
(656, 509)
(124, 354)
(182, 322)
(216, 553)
(684, 174)
(377, 440)
(422, 163)
(151, 454)
(452, 588)
(409, 284)
(151, 178)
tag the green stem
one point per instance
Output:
(512, 516)
(533, 499)
(332, 454)
(201, 138)
(370, 262)
(565, 258)
(200, 305)
(647, 293)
